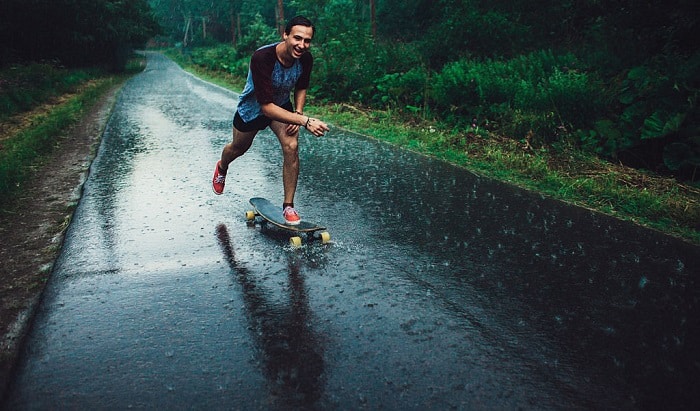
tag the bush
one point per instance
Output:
(654, 122)
(405, 91)
(258, 34)
(223, 58)
(538, 92)
(345, 67)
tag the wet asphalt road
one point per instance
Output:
(440, 290)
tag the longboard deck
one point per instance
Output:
(273, 214)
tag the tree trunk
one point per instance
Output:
(373, 17)
(233, 28)
(280, 17)
(187, 31)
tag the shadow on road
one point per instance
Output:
(289, 350)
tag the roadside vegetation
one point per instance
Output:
(39, 104)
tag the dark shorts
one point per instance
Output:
(258, 123)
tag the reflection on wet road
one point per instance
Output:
(440, 289)
(291, 353)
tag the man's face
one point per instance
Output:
(298, 40)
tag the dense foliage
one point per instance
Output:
(74, 33)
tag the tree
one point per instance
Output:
(75, 32)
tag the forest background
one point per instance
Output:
(551, 88)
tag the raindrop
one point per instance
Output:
(680, 266)
(643, 282)
(609, 330)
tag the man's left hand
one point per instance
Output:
(292, 129)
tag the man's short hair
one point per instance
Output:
(299, 21)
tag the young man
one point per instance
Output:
(275, 70)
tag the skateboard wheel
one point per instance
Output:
(250, 215)
(325, 237)
(295, 242)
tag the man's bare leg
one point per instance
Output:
(242, 140)
(240, 143)
(290, 162)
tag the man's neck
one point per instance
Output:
(282, 55)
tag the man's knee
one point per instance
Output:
(290, 145)
(290, 149)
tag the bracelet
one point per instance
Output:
(307, 122)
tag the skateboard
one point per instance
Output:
(272, 214)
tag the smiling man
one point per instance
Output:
(275, 71)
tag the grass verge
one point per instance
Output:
(34, 130)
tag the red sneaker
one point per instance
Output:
(219, 180)
(291, 216)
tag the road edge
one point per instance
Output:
(79, 157)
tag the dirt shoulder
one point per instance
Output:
(32, 227)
